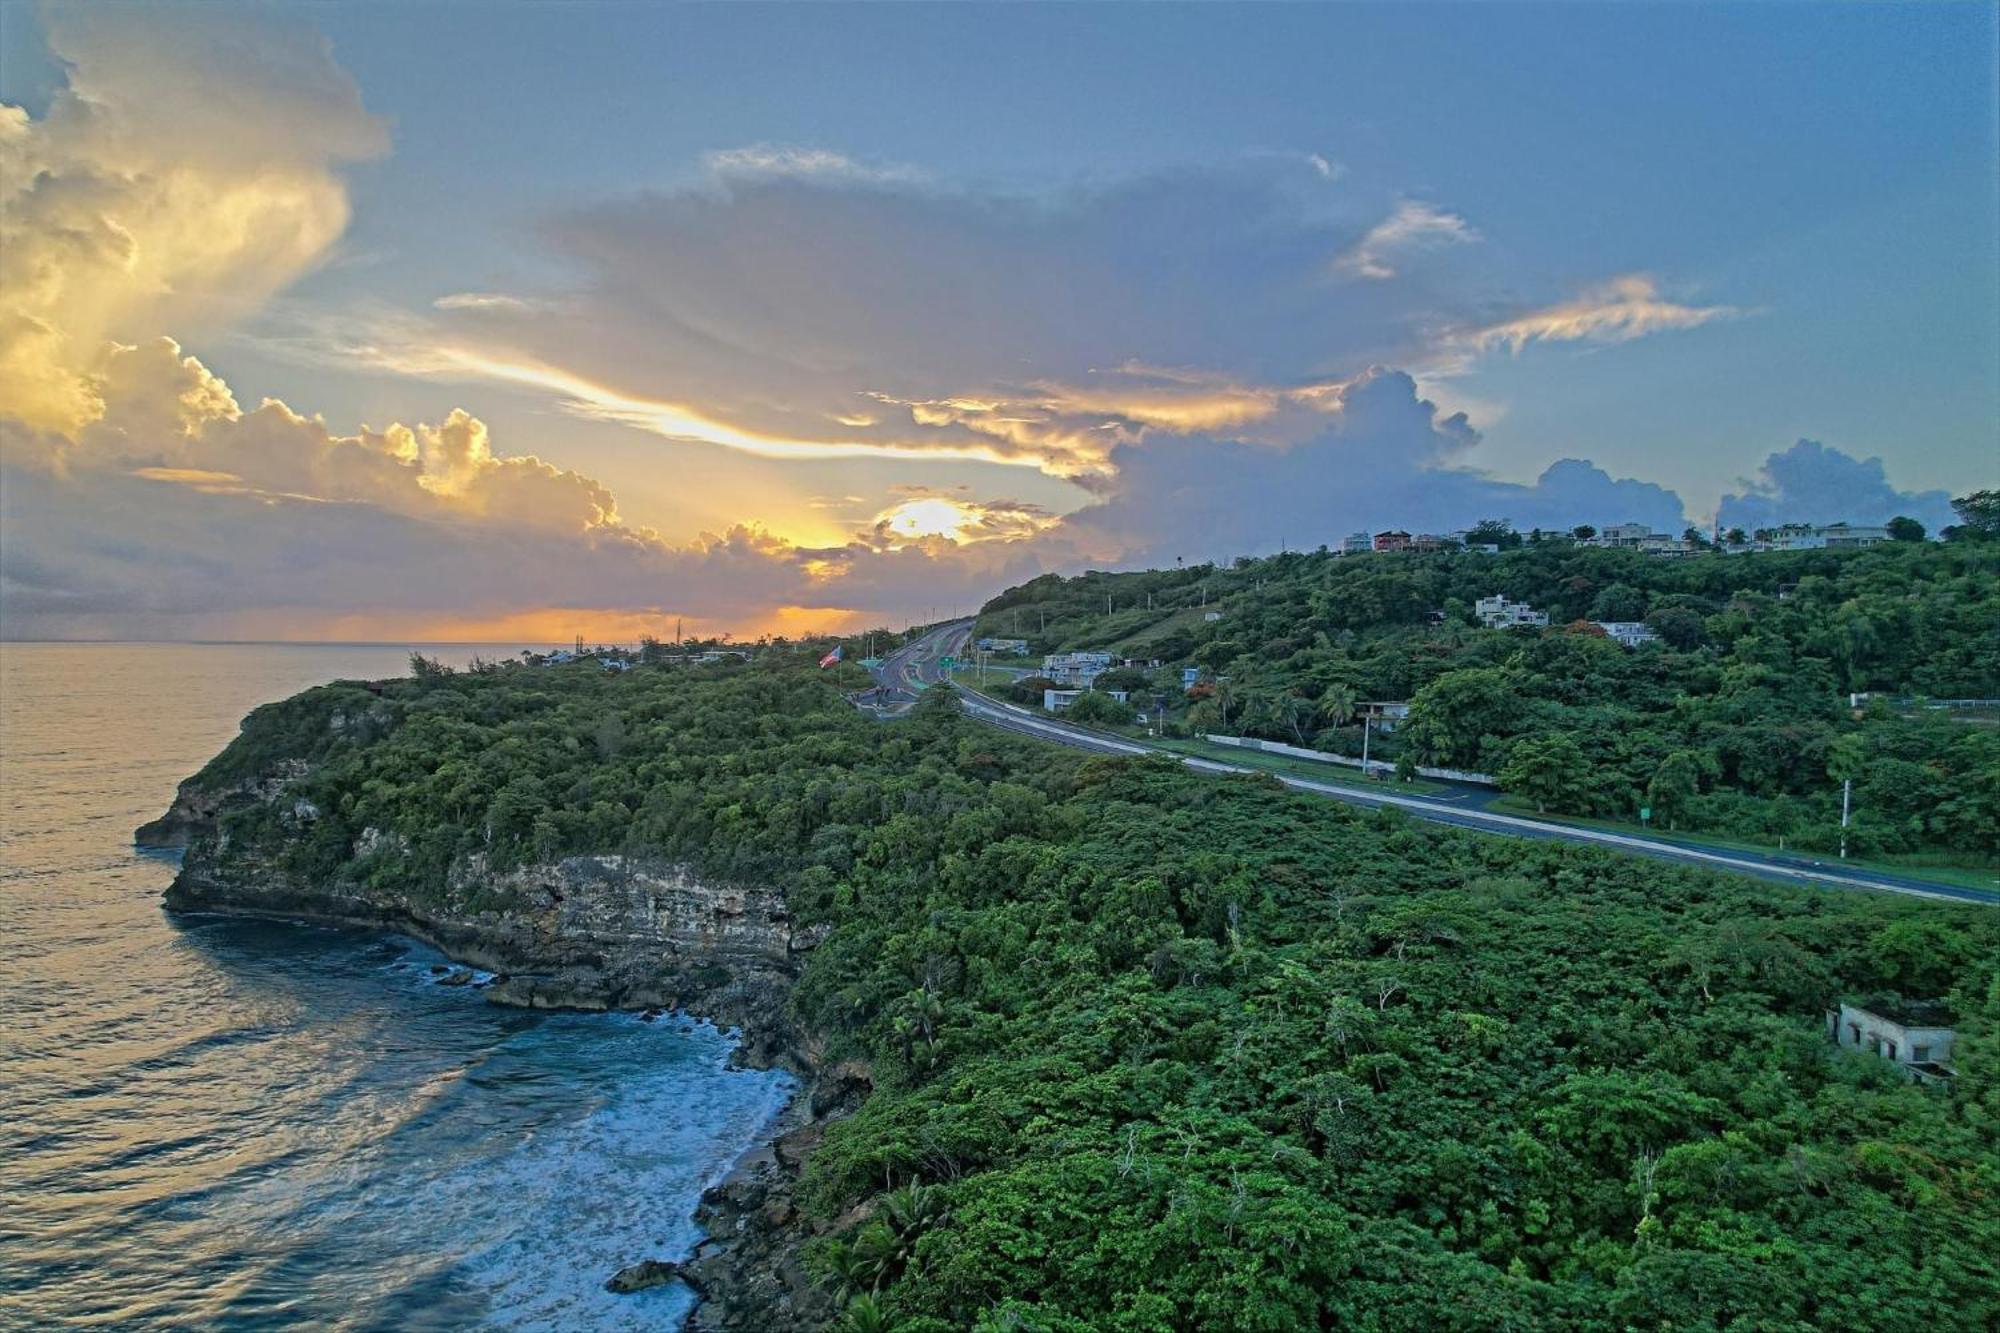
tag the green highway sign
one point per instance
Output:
(1645, 813)
(947, 661)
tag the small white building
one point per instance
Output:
(1356, 543)
(1058, 701)
(1915, 1036)
(1627, 633)
(1625, 534)
(1496, 612)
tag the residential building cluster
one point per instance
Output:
(1076, 669)
(1014, 647)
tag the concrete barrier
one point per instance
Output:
(1374, 765)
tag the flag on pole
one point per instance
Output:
(830, 658)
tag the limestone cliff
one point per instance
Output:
(588, 932)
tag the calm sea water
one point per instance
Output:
(218, 1124)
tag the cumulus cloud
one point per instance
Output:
(1414, 226)
(1386, 458)
(1811, 483)
(172, 183)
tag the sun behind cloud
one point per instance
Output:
(929, 516)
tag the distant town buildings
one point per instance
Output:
(1627, 633)
(1018, 647)
(1496, 612)
(1634, 537)
(1075, 669)
(1914, 1034)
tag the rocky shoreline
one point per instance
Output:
(595, 934)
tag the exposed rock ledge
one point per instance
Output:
(596, 932)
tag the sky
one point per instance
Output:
(515, 321)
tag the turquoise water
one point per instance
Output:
(221, 1124)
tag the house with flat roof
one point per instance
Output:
(1914, 1034)
(1496, 612)
(1627, 633)
(1075, 669)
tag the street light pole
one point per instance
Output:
(1846, 799)
(1367, 721)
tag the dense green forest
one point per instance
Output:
(1738, 721)
(1155, 1051)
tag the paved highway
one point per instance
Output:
(911, 669)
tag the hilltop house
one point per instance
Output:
(1496, 612)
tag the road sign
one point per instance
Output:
(1645, 813)
(948, 661)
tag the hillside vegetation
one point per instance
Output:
(1738, 721)
(1154, 1051)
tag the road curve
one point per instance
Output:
(905, 673)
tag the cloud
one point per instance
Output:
(177, 513)
(1617, 311)
(172, 183)
(1414, 226)
(752, 161)
(1386, 458)
(798, 304)
(1811, 483)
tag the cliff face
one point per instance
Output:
(582, 932)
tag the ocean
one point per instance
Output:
(217, 1124)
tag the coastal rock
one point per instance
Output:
(590, 933)
(197, 806)
(644, 1274)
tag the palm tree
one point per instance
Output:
(864, 1315)
(1337, 703)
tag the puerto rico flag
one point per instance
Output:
(830, 658)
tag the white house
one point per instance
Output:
(1058, 701)
(1823, 536)
(1627, 633)
(1496, 612)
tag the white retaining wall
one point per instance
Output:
(1374, 765)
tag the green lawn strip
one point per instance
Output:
(1959, 875)
(1336, 775)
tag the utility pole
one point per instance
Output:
(1846, 799)
(1367, 720)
